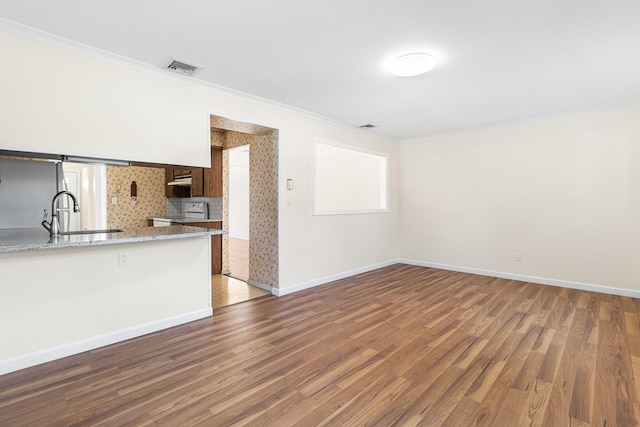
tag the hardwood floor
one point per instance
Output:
(402, 346)
(239, 258)
(226, 291)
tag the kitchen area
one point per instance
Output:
(128, 239)
(173, 195)
(193, 197)
(64, 290)
(120, 197)
(109, 276)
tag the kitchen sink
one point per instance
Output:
(71, 233)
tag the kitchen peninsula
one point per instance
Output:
(36, 239)
(85, 291)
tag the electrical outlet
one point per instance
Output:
(123, 259)
(114, 200)
(518, 257)
(330, 259)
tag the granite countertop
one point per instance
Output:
(36, 239)
(183, 220)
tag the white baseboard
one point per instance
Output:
(260, 285)
(306, 285)
(58, 352)
(532, 279)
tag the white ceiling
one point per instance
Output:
(499, 60)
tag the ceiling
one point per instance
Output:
(499, 61)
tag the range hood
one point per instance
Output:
(181, 181)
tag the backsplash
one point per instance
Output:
(175, 206)
(131, 213)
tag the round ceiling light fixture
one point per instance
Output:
(412, 64)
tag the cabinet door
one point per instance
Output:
(197, 183)
(216, 248)
(213, 175)
(168, 177)
(181, 172)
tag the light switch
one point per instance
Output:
(289, 184)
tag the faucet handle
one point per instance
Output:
(44, 222)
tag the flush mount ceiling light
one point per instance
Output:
(412, 64)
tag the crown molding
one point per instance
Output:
(594, 109)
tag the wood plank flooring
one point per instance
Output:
(239, 258)
(226, 291)
(402, 345)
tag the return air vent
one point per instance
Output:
(181, 67)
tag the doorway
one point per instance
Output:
(234, 287)
(88, 183)
(257, 147)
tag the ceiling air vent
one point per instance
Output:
(367, 126)
(181, 67)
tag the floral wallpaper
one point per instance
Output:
(263, 214)
(219, 123)
(263, 199)
(218, 137)
(131, 212)
(225, 210)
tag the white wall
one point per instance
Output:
(63, 301)
(564, 192)
(313, 248)
(306, 242)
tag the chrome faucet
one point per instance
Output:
(53, 227)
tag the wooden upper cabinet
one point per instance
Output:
(197, 183)
(181, 172)
(168, 177)
(205, 182)
(213, 175)
(172, 190)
